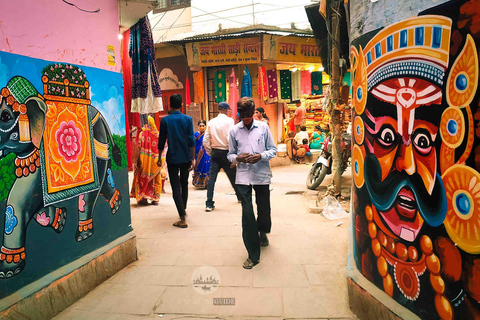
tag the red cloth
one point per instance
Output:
(306, 83)
(130, 119)
(188, 99)
(233, 95)
(262, 89)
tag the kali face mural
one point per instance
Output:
(417, 197)
(63, 147)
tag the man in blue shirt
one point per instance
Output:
(178, 129)
(251, 147)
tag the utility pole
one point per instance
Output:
(336, 121)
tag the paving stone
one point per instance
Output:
(154, 275)
(121, 298)
(265, 276)
(326, 301)
(326, 274)
(200, 258)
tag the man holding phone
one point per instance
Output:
(251, 147)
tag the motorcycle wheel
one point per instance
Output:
(316, 175)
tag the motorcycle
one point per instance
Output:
(323, 165)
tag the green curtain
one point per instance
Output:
(220, 86)
(317, 83)
(285, 84)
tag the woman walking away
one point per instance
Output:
(147, 180)
(202, 159)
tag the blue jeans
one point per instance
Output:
(218, 160)
(250, 225)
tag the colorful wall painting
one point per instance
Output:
(62, 166)
(416, 198)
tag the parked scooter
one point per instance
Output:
(323, 165)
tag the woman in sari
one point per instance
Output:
(147, 178)
(317, 138)
(202, 159)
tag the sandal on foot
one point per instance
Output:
(155, 203)
(180, 224)
(249, 263)
(142, 202)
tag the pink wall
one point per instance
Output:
(56, 31)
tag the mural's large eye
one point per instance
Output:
(423, 141)
(5, 116)
(387, 136)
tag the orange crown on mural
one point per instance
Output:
(417, 47)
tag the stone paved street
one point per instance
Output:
(301, 274)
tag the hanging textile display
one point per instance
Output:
(317, 82)
(188, 98)
(198, 87)
(305, 83)
(146, 93)
(272, 86)
(262, 89)
(246, 84)
(233, 93)
(220, 88)
(296, 80)
(285, 84)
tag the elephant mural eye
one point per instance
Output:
(5, 116)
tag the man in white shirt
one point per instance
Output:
(215, 142)
(303, 134)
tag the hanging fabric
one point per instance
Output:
(198, 87)
(220, 87)
(233, 94)
(317, 83)
(262, 89)
(285, 84)
(246, 84)
(296, 80)
(188, 99)
(272, 86)
(146, 93)
(131, 119)
(305, 82)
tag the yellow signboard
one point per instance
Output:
(325, 78)
(220, 52)
(111, 55)
(290, 49)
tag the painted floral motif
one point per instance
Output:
(68, 138)
(10, 220)
(42, 219)
(81, 203)
(110, 178)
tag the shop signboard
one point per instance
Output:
(290, 49)
(220, 52)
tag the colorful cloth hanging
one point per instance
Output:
(233, 94)
(305, 83)
(262, 89)
(296, 80)
(317, 82)
(285, 84)
(188, 98)
(246, 84)
(220, 87)
(272, 86)
(198, 87)
(146, 93)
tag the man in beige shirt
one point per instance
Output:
(215, 142)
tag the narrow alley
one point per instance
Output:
(302, 273)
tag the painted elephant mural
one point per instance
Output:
(63, 147)
(416, 198)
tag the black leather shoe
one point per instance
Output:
(263, 240)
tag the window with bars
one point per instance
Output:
(166, 5)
